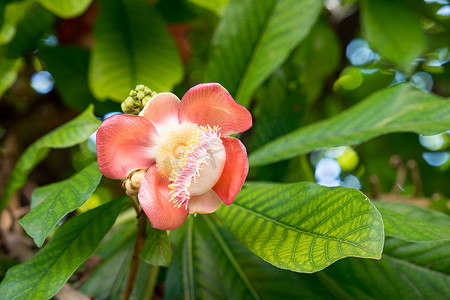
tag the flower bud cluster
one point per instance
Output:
(132, 183)
(137, 100)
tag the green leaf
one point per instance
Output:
(132, 47)
(431, 255)
(30, 27)
(119, 244)
(400, 108)
(216, 6)
(389, 278)
(42, 276)
(60, 198)
(156, 249)
(8, 70)
(394, 31)
(67, 8)
(254, 38)
(67, 135)
(69, 67)
(11, 13)
(412, 223)
(305, 227)
(209, 263)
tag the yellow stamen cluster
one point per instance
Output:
(197, 152)
(172, 142)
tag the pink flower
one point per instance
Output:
(191, 164)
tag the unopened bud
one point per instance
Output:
(145, 100)
(137, 99)
(140, 95)
(136, 178)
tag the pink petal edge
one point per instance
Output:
(154, 199)
(124, 144)
(207, 203)
(162, 110)
(210, 103)
(234, 172)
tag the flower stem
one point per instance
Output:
(135, 204)
(140, 239)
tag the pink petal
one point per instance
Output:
(154, 199)
(210, 103)
(207, 203)
(124, 144)
(162, 110)
(234, 172)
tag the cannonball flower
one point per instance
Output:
(178, 153)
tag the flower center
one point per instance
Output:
(173, 140)
(198, 165)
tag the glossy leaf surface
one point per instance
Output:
(43, 275)
(412, 223)
(67, 8)
(58, 199)
(401, 108)
(67, 135)
(131, 50)
(254, 38)
(305, 227)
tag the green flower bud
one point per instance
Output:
(124, 107)
(140, 95)
(129, 102)
(145, 100)
(137, 99)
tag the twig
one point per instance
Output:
(415, 175)
(140, 239)
(135, 204)
(397, 163)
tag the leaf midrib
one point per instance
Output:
(255, 48)
(232, 259)
(289, 227)
(309, 145)
(65, 249)
(413, 265)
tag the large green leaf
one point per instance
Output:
(211, 264)
(69, 67)
(305, 227)
(216, 6)
(67, 135)
(394, 30)
(11, 13)
(67, 8)
(31, 24)
(412, 223)
(58, 199)
(8, 70)
(389, 278)
(254, 38)
(401, 108)
(156, 249)
(132, 46)
(431, 255)
(116, 251)
(42, 276)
